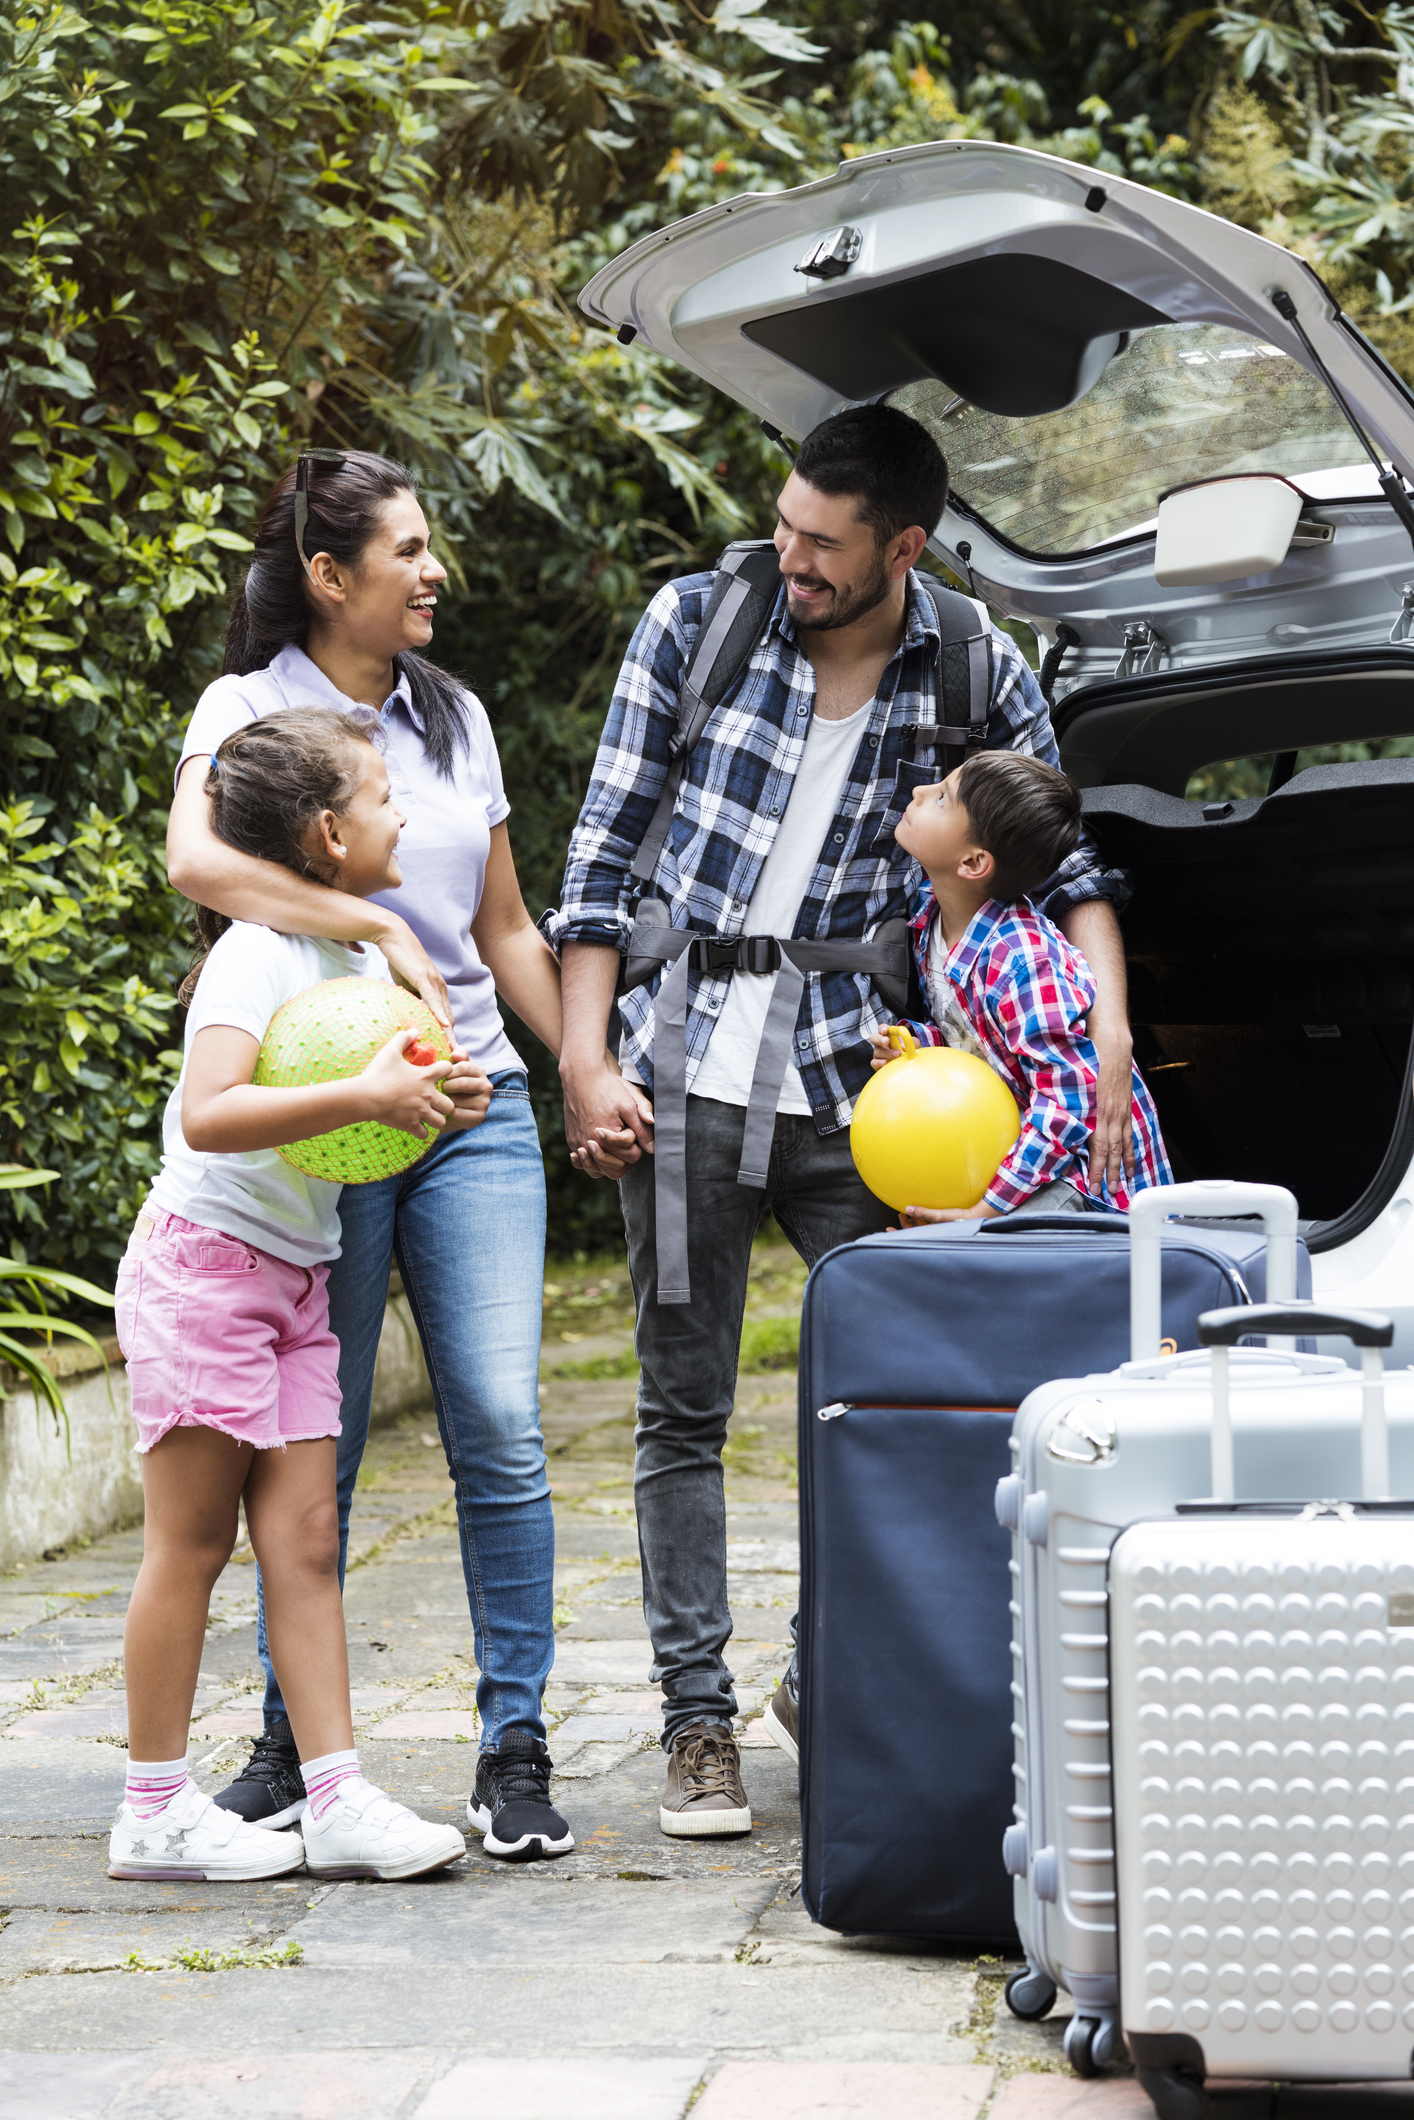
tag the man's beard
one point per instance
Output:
(847, 604)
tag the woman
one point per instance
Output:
(335, 611)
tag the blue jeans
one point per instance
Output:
(466, 1225)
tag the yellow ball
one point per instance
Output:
(931, 1128)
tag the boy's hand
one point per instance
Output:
(404, 1096)
(915, 1217)
(883, 1052)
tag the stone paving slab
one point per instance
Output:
(859, 2011)
(821, 2090)
(66, 1872)
(470, 1920)
(55, 1784)
(35, 1942)
(563, 2090)
(98, 1714)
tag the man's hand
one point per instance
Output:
(916, 1217)
(469, 1087)
(608, 1122)
(1112, 1144)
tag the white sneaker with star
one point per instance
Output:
(192, 1839)
(365, 1834)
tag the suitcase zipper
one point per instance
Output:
(832, 1413)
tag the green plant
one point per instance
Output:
(39, 1281)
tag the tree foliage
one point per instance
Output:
(237, 226)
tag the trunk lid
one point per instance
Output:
(1078, 346)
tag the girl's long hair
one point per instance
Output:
(272, 611)
(268, 784)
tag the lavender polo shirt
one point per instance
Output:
(445, 842)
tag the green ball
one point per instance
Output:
(328, 1034)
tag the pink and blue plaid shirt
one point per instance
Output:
(1027, 994)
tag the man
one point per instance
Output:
(783, 827)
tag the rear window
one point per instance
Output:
(1234, 779)
(1180, 402)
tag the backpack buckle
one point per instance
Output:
(742, 953)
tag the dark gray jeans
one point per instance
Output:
(688, 1355)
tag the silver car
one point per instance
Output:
(1175, 459)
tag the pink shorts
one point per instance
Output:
(220, 1335)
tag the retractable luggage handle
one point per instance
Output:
(1222, 1329)
(1216, 1198)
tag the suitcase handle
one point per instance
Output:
(1224, 1328)
(1216, 1199)
(1085, 1225)
(1371, 1333)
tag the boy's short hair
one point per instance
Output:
(886, 461)
(1024, 813)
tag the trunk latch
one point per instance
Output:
(1144, 651)
(832, 256)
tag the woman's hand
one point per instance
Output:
(883, 1052)
(609, 1154)
(404, 1096)
(469, 1087)
(410, 964)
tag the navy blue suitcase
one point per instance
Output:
(915, 1351)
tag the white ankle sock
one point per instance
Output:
(152, 1784)
(325, 1778)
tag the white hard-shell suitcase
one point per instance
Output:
(1262, 1703)
(1094, 1455)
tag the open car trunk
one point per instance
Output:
(1270, 942)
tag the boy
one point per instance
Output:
(1004, 984)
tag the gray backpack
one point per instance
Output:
(744, 592)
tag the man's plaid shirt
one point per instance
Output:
(1028, 995)
(733, 795)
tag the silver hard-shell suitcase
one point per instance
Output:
(1092, 1456)
(1262, 1701)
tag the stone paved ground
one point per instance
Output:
(630, 1981)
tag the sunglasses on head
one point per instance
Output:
(332, 460)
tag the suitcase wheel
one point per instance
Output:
(1092, 2043)
(1030, 1994)
(1176, 2095)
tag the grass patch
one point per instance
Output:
(598, 1368)
(194, 1958)
(766, 1344)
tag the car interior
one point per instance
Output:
(1270, 938)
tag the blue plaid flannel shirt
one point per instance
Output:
(733, 796)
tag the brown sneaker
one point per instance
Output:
(782, 1720)
(704, 1795)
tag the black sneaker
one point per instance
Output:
(511, 1802)
(269, 1791)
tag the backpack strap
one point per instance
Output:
(747, 583)
(964, 675)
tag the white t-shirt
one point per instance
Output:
(729, 1062)
(256, 1196)
(944, 1006)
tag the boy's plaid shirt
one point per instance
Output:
(1027, 994)
(733, 796)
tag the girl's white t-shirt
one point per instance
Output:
(256, 1196)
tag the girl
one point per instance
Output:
(223, 1316)
(338, 606)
